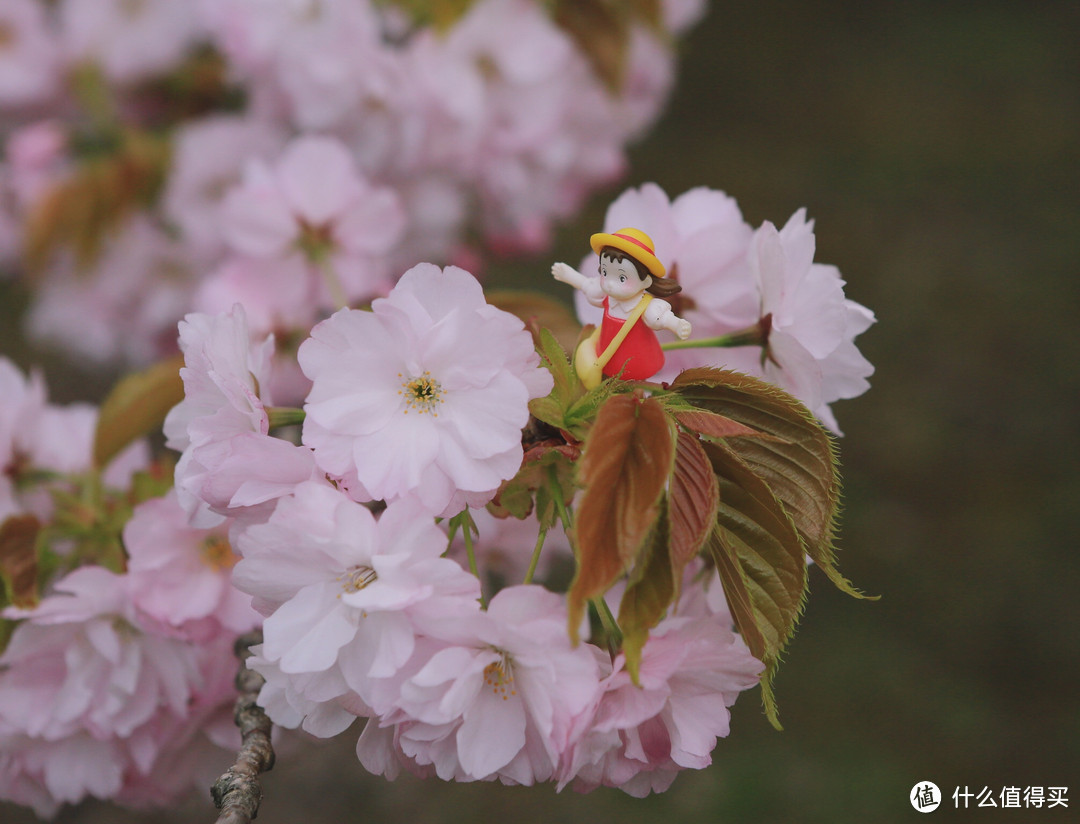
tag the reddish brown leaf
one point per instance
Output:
(18, 559)
(627, 460)
(712, 425)
(694, 497)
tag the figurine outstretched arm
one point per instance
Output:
(660, 316)
(572, 277)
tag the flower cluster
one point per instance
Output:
(117, 683)
(439, 523)
(293, 156)
(420, 403)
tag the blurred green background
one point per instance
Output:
(937, 145)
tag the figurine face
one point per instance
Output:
(620, 279)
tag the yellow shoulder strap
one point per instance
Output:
(620, 336)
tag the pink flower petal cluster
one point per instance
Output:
(498, 701)
(180, 575)
(345, 595)
(229, 464)
(737, 280)
(811, 351)
(425, 395)
(93, 703)
(640, 737)
(122, 307)
(312, 204)
(37, 436)
(408, 140)
(208, 161)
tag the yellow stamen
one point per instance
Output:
(356, 578)
(499, 675)
(423, 394)
(217, 553)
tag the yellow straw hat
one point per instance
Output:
(633, 242)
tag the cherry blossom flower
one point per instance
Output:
(229, 463)
(500, 705)
(314, 60)
(446, 383)
(208, 156)
(760, 284)
(692, 670)
(313, 202)
(181, 575)
(811, 325)
(92, 704)
(37, 157)
(345, 593)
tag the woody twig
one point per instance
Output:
(238, 792)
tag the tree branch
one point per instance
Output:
(237, 793)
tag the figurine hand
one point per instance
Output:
(683, 329)
(563, 272)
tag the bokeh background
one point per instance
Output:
(937, 145)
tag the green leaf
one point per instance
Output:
(760, 558)
(137, 406)
(627, 461)
(18, 560)
(649, 593)
(797, 459)
(694, 497)
(567, 388)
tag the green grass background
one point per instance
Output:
(937, 145)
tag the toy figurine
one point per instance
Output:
(630, 276)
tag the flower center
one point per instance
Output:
(499, 675)
(423, 394)
(356, 578)
(216, 553)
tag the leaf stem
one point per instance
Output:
(560, 506)
(755, 335)
(464, 520)
(285, 416)
(610, 625)
(535, 556)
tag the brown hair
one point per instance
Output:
(661, 287)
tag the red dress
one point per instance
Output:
(640, 353)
